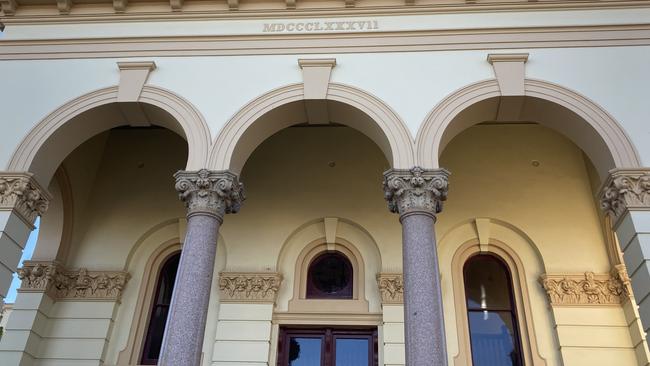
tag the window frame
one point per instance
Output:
(520, 292)
(146, 342)
(312, 292)
(512, 309)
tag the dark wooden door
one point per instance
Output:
(329, 346)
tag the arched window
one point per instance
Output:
(330, 276)
(491, 312)
(159, 310)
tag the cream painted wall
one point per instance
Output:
(411, 83)
(289, 183)
(493, 176)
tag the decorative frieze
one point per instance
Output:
(588, 288)
(212, 192)
(67, 284)
(249, 286)
(391, 288)
(625, 189)
(415, 190)
(21, 192)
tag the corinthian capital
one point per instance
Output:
(415, 190)
(20, 192)
(625, 189)
(212, 192)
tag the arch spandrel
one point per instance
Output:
(581, 120)
(282, 107)
(59, 133)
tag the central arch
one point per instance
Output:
(351, 106)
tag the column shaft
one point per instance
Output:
(424, 323)
(183, 338)
(417, 196)
(208, 196)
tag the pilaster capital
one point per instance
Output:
(71, 284)
(20, 192)
(625, 189)
(210, 192)
(415, 190)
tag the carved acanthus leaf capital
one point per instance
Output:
(67, 284)
(625, 189)
(20, 192)
(588, 288)
(249, 286)
(207, 191)
(391, 288)
(415, 190)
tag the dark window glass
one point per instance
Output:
(330, 277)
(491, 312)
(327, 347)
(159, 310)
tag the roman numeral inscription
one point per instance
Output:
(320, 26)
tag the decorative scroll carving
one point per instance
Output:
(415, 190)
(66, 284)
(589, 288)
(20, 192)
(213, 192)
(248, 286)
(391, 288)
(625, 189)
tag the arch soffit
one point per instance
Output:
(391, 125)
(190, 120)
(430, 134)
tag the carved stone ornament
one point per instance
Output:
(249, 286)
(207, 191)
(415, 190)
(625, 189)
(589, 288)
(66, 284)
(20, 192)
(391, 288)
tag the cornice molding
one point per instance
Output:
(415, 190)
(71, 284)
(391, 288)
(624, 190)
(231, 9)
(21, 193)
(319, 43)
(249, 287)
(588, 288)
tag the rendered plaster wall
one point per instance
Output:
(493, 177)
(243, 334)
(393, 335)
(614, 78)
(289, 183)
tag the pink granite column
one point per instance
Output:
(208, 196)
(417, 196)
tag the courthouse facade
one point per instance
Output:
(361, 182)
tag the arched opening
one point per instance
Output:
(586, 124)
(539, 168)
(285, 107)
(111, 180)
(491, 312)
(159, 309)
(328, 175)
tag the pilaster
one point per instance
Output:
(22, 199)
(625, 196)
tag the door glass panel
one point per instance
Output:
(304, 351)
(352, 352)
(493, 338)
